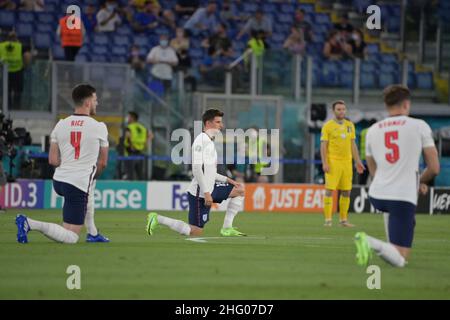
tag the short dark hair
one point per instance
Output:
(395, 94)
(81, 92)
(210, 114)
(134, 115)
(338, 102)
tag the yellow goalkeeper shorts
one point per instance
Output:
(340, 175)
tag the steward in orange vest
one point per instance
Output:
(71, 36)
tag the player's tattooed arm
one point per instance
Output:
(54, 156)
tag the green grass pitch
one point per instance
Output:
(286, 256)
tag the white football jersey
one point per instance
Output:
(396, 145)
(204, 153)
(79, 139)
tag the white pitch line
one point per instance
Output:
(204, 239)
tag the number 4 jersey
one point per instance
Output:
(396, 145)
(79, 139)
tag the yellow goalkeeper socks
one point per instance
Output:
(328, 207)
(344, 204)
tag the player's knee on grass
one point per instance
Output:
(403, 251)
(237, 192)
(72, 227)
(196, 231)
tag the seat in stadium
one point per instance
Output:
(412, 80)
(125, 30)
(45, 27)
(196, 53)
(83, 57)
(100, 50)
(347, 65)
(322, 18)
(24, 29)
(119, 51)
(308, 8)
(269, 8)
(387, 78)
(42, 41)
(287, 8)
(368, 80)
(373, 48)
(388, 58)
(7, 19)
(43, 17)
(424, 80)
(330, 72)
(58, 52)
(346, 79)
(100, 39)
(141, 40)
(25, 17)
(369, 66)
(249, 7)
(121, 40)
(285, 18)
(389, 67)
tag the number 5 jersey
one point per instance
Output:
(396, 144)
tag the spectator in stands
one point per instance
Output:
(259, 23)
(89, 19)
(212, 69)
(135, 59)
(163, 58)
(295, 42)
(181, 46)
(186, 8)
(356, 46)
(164, 17)
(219, 42)
(32, 5)
(302, 25)
(11, 53)
(334, 49)
(71, 38)
(143, 19)
(7, 5)
(231, 13)
(203, 20)
(180, 42)
(108, 17)
(344, 27)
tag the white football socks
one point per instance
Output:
(234, 206)
(53, 231)
(387, 252)
(176, 225)
(89, 219)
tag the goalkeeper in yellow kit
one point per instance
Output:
(337, 150)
